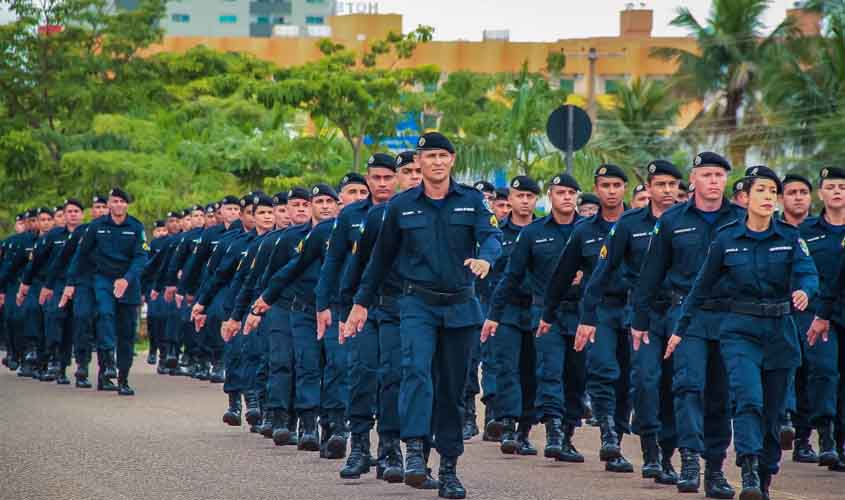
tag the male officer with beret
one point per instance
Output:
(560, 371)
(513, 350)
(155, 325)
(739, 197)
(443, 237)
(609, 361)
(116, 246)
(34, 275)
(678, 247)
(640, 196)
(609, 287)
(588, 205)
(17, 253)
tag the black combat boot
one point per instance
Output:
(525, 446)
(450, 485)
(827, 445)
(281, 432)
(218, 373)
(202, 371)
(336, 443)
(233, 413)
(509, 439)
(104, 383)
(619, 464)
(123, 388)
(357, 463)
(394, 471)
(430, 483)
(554, 438)
(803, 452)
(295, 429)
(765, 483)
(787, 433)
(325, 432)
(81, 376)
(12, 362)
(51, 372)
(171, 361)
(253, 411)
(651, 457)
(415, 465)
(265, 428)
(667, 472)
(470, 424)
(62, 377)
(493, 431)
(310, 439)
(152, 359)
(839, 466)
(610, 448)
(751, 489)
(109, 370)
(690, 479)
(568, 451)
(715, 483)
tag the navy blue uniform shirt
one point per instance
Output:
(346, 232)
(299, 276)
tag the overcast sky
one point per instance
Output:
(535, 20)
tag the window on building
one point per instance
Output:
(180, 18)
(314, 20)
(567, 85)
(228, 19)
(262, 20)
(612, 86)
(279, 20)
(315, 1)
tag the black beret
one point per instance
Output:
(261, 199)
(434, 140)
(797, 178)
(174, 214)
(158, 223)
(502, 194)
(566, 180)
(525, 183)
(683, 186)
(381, 160)
(832, 173)
(404, 158)
(323, 190)
(280, 198)
(639, 188)
(246, 200)
(663, 167)
(120, 193)
(588, 198)
(44, 210)
(31, 213)
(194, 208)
(74, 201)
(709, 159)
(738, 185)
(186, 212)
(299, 193)
(230, 200)
(608, 170)
(484, 187)
(211, 208)
(20, 216)
(100, 199)
(764, 172)
(356, 178)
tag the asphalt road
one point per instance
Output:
(168, 442)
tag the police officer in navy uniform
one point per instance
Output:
(560, 371)
(640, 196)
(747, 262)
(155, 326)
(822, 362)
(15, 257)
(514, 351)
(609, 287)
(443, 237)
(608, 361)
(588, 205)
(34, 275)
(677, 249)
(116, 246)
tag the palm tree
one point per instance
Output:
(725, 72)
(637, 129)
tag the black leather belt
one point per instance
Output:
(763, 310)
(386, 300)
(716, 305)
(298, 304)
(435, 298)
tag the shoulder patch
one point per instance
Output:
(493, 221)
(656, 227)
(804, 246)
(603, 252)
(299, 246)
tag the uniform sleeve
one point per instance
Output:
(223, 274)
(610, 258)
(82, 254)
(60, 261)
(361, 253)
(330, 273)
(709, 274)
(11, 262)
(180, 255)
(193, 268)
(139, 257)
(831, 290)
(309, 251)
(805, 276)
(657, 260)
(246, 292)
(512, 277)
(487, 235)
(384, 254)
(565, 270)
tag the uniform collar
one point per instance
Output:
(775, 228)
(726, 205)
(549, 219)
(453, 189)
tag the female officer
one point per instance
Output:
(759, 343)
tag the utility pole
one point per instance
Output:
(593, 56)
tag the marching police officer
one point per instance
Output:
(608, 361)
(609, 287)
(588, 205)
(677, 249)
(443, 236)
(758, 341)
(640, 196)
(116, 246)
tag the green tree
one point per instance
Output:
(726, 70)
